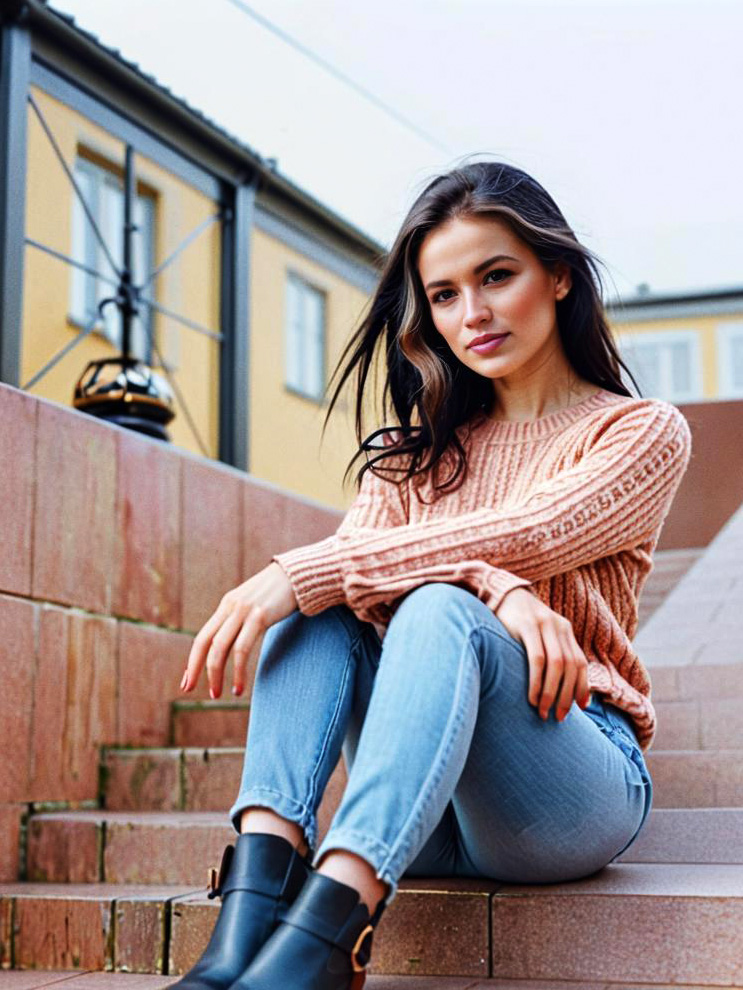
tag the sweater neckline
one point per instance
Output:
(542, 426)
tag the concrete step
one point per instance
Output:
(649, 924)
(210, 723)
(696, 779)
(180, 847)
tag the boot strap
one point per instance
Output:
(220, 884)
(357, 944)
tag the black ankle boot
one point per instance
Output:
(323, 942)
(258, 880)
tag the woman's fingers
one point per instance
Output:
(570, 675)
(216, 659)
(535, 653)
(200, 648)
(253, 626)
(554, 669)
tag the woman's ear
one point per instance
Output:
(563, 279)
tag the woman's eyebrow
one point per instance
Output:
(475, 271)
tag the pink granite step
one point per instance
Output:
(208, 780)
(210, 723)
(706, 724)
(687, 682)
(659, 924)
(179, 847)
(88, 926)
(696, 779)
(188, 779)
(689, 835)
(92, 980)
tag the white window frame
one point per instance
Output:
(627, 341)
(299, 338)
(101, 188)
(725, 333)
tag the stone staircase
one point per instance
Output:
(121, 887)
(114, 789)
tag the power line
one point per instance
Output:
(341, 76)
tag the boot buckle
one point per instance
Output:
(218, 877)
(354, 962)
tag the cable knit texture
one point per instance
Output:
(569, 505)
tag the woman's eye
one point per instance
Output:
(498, 271)
(439, 296)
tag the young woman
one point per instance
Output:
(465, 637)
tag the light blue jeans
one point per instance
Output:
(451, 771)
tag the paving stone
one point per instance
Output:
(210, 724)
(71, 926)
(456, 911)
(211, 778)
(705, 682)
(150, 668)
(695, 779)
(11, 817)
(147, 525)
(212, 538)
(17, 447)
(17, 655)
(64, 849)
(689, 835)
(82, 930)
(143, 779)
(82, 980)
(164, 852)
(140, 934)
(438, 929)
(551, 931)
(74, 703)
(74, 508)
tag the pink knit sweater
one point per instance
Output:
(570, 505)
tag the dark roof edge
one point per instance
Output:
(62, 29)
(647, 300)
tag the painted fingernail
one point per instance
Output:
(212, 695)
(184, 679)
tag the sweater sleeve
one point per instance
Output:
(317, 571)
(615, 498)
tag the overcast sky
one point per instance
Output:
(628, 113)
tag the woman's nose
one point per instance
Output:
(475, 309)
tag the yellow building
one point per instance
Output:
(247, 288)
(683, 347)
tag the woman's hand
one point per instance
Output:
(552, 649)
(243, 615)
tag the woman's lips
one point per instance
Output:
(489, 345)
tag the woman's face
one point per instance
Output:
(480, 278)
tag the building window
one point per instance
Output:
(304, 340)
(666, 365)
(103, 190)
(730, 360)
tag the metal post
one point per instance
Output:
(235, 326)
(128, 308)
(15, 68)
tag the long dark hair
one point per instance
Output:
(422, 373)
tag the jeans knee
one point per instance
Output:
(436, 598)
